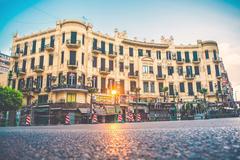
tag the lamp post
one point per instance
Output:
(91, 90)
(137, 91)
(114, 93)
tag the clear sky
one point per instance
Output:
(186, 20)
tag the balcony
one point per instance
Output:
(104, 71)
(36, 90)
(49, 47)
(133, 74)
(15, 55)
(219, 76)
(112, 54)
(196, 61)
(161, 76)
(70, 44)
(96, 50)
(21, 71)
(189, 77)
(72, 65)
(68, 87)
(180, 61)
(217, 60)
(38, 69)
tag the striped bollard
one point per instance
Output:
(130, 117)
(28, 120)
(139, 118)
(67, 119)
(120, 118)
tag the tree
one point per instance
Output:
(164, 90)
(203, 91)
(10, 99)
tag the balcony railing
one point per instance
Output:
(189, 76)
(112, 54)
(21, 71)
(104, 70)
(161, 76)
(70, 44)
(133, 74)
(180, 61)
(49, 47)
(96, 50)
(217, 59)
(196, 61)
(219, 76)
(38, 69)
(72, 65)
(69, 87)
(15, 55)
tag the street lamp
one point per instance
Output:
(91, 90)
(114, 93)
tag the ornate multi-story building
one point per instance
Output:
(57, 64)
(4, 68)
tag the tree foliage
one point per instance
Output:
(10, 99)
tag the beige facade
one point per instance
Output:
(75, 56)
(4, 68)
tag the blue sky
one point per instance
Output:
(186, 20)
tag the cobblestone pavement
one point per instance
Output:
(199, 139)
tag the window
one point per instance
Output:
(189, 70)
(18, 48)
(111, 65)
(32, 63)
(111, 84)
(195, 56)
(34, 43)
(50, 60)
(103, 47)
(170, 70)
(42, 45)
(198, 85)
(42, 99)
(41, 62)
(16, 67)
(219, 87)
(132, 86)
(140, 52)
(102, 64)
(82, 58)
(187, 58)
(145, 69)
(196, 69)
(48, 84)
(179, 56)
(206, 54)
(121, 66)
(171, 90)
(168, 55)
(152, 87)
(159, 71)
(14, 83)
(148, 53)
(83, 39)
(160, 85)
(180, 70)
(71, 79)
(94, 81)
(73, 37)
(110, 48)
(39, 82)
(208, 69)
(158, 54)
(52, 39)
(122, 90)
(130, 52)
(71, 97)
(120, 50)
(214, 54)
(182, 88)
(131, 68)
(24, 65)
(190, 89)
(217, 70)
(145, 87)
(72, 58)
(103, 85)
(82, 80)
(63, 37)
(29, 84)
(210, 86)
(62, 57)
(94, 43)
(94, 63)
(25, 48)
(151, 69)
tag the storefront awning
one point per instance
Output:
(84, 110)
